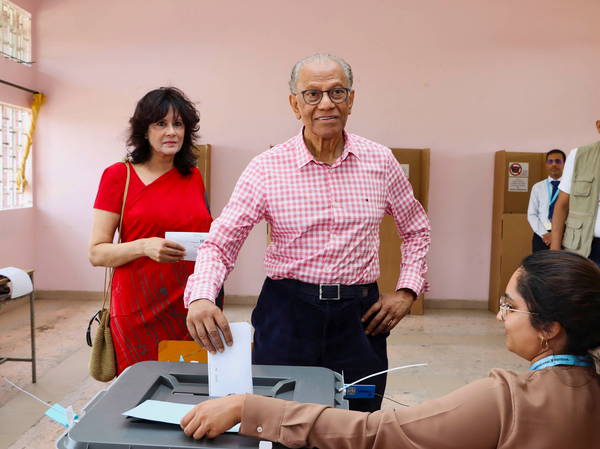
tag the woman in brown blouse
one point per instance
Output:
(551, 314)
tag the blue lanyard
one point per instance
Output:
(553, 199)
(562, 359)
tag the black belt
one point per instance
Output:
(330, 292)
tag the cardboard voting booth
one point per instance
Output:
(202, 152)
(415, 163)
(515, 173)
(102, 425)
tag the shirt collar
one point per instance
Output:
(550, 178)
(304, 156)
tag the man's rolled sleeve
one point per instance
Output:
(217, 255)
(413, 226)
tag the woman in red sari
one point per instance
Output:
(165, 193)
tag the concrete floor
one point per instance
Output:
(459, 346)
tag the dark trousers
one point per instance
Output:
(537, 244)
(294, 328)
(595, 252)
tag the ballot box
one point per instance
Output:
(102, 425)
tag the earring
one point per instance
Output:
(544, 343)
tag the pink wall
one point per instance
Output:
(465, 78)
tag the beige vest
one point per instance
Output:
(583, 200)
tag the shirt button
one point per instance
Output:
(259, 429)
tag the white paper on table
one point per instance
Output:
(20, 281)
(230, 371)
(189, 240)
(162, 411)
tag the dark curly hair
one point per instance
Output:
(153, 107)
(564, 287)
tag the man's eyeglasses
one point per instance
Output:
(505, 308)
(554, 161)
(336, 94)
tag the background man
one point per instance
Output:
(324, 192)
(542, 200)
(576, 221)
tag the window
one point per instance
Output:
(14, 126)
(15, 32)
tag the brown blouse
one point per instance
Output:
(557, 407)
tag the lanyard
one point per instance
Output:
(553, 199)
(562, 359)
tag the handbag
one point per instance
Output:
(102, 365)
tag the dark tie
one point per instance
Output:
(554, 189)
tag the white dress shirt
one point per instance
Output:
(539, 204)
(565, 185)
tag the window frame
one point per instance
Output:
(15, 34)
(15, 125)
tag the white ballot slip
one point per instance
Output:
(230, 371)
(189, 240)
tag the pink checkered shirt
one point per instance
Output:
(324, 218)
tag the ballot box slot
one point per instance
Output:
(192, 379)
(269, 382)
(166, 386)
(276, 387)
(283, 386)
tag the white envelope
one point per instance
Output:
(189, 240)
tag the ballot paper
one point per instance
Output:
(162, 411)
(189, 240)
(230, 371)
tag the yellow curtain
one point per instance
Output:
(38, 100)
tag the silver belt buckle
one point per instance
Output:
(337, 298)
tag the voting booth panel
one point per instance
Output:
(202, 152)
(415, 163)
(515, 173)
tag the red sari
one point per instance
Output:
(147, 296)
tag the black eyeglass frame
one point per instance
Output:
(328, 91)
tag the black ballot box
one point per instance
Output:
(102, 425)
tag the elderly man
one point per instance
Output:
(324, 192)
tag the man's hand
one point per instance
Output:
(547, 238)
(388, 311)
(212, 418)
(204, 319)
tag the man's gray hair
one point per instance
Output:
(320, 57)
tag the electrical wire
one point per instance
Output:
(380, 372)
(390, 399)
(27, 392)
